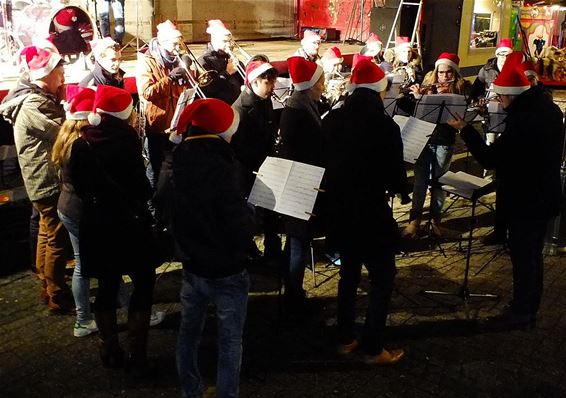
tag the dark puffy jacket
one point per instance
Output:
(224, 86)
(487, 75)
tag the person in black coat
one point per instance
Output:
(115, 236)
(107, 59)
(255, 140)
(302, 141)
(526, 158)
(364, 168)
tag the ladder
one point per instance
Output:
(415, 36)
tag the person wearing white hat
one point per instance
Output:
(365, 167)
(301, 140)
(33, 108)
(520, 160)
(310, 46)
(373, 48)
(107, 60)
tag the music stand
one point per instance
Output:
(472, 195)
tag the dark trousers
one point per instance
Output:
(526, 242)
(155, 146)
(142, 296)
(381, 273)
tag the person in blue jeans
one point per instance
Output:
(103, 9)
(212, 225)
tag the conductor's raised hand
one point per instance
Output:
(457, 122)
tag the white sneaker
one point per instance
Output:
(156, 318)
(84, 329)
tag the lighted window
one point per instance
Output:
(485, 24)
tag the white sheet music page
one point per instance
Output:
(497, 117)
(462, 183)
(415, 134)
(286, 187)
(428, 107)
(186, 98)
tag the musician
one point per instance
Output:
(364, 166)
(310, 45)
(67, 36)
(403, 59)
(107, 60)
(160, 79)
(218, 56)
(436, 156)
(489, 72)
(530, 190)
(255, 138)
(373, 48)
(335, 81)
(302, 141)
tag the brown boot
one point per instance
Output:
(111, 354)
(411, 231)
(138, 327)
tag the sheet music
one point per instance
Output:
(186, 98)
(286, 187)
(497, 117)
(461, 183)
(429, 106)
(282, 87)
(415, 134)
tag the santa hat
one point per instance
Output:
(255, 69)
(80, 101)
(366, 74)
(373, 39)
(210, 115)
(310, 35)
(39, 62)
(450, 59)
(217, 28)
(65, 19)
(333, 55)
(167, 31)
(100, 45)
(504, 45)
(511, 80)
(304, 74)
(112, 101)
(402, 42)
(359, 57)
(529, 68)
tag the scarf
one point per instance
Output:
(301, 100)
(102, 76)
(163, 58)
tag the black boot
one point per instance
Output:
(138, 327)
(111, 354)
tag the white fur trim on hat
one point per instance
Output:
(233, 126)
(254, 74)
(83, 115)
(123, 115)
(446, 61)
(37, 74)
(306, 85)
(377, 86)
(509, 90)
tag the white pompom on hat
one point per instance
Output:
(65, 19)
(38, 62)
(256, 68)
(217, 28)
(450, 59)
(211, 115)
(80, 101)
(304, 73)
(167, 31)
(112, 101)
(512, 79)
(367, 74)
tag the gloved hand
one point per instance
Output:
(179, 75)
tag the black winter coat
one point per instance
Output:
(224, 86)
(255, 138)
(108, 173)
(302, 141)
(211, 221)
(364, 162)
(526, 157)
(487, 74)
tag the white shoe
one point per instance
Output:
(84, 329)
(156, 317)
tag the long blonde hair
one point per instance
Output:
(70, 130)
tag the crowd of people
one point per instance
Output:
(94, 181)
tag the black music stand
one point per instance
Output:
(474, 196)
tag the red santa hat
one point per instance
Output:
(255, 69)
(167, 31)
(333, 55)
(373, 39)
(310, 35)
(529, 69)
(39, 62)
(367, 74)
(504, 45)
(402, 42)
(359, 57)
(112, 101)
(80, 101)
(210, 115)
(65, 19)
(450, 59)
(512, 80)
(304, 74)
(217, 28)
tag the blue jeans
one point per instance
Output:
(103, 9)
(434, 161)
(230, 297)
(298, 250)
(80, 285)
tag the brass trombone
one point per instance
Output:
(240, 64)
(203, 77)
